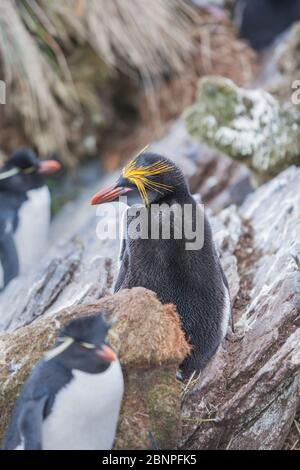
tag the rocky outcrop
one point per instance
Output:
(79, 271)
(248, 396)
(78, 267)
(250, 126)
(149, 359)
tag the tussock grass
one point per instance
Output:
(143, 39)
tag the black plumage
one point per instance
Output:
(193, 280)
(262, 21)
(21, 173)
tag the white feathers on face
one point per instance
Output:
(15, 171)
(65, 341)
(9, 173)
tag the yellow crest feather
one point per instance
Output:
(139, 176)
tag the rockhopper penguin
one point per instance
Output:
(192, 279)
(24, 212)
(72, 399)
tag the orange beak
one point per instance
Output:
(107, 354)
(110, 194)
(47, 167)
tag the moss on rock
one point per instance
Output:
(250, 126)
(150, 344)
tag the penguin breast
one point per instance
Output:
(85, 412)
(32, 232)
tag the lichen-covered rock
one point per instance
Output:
(150, 345)
(250, 126)
(248, 395)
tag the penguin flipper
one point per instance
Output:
(123, 254)
(122, 249)
(30, 423)
(9, 257)
(123, 234)
(122, 271)
(153, 443)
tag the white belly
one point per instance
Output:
(85, 413)
(32, 233)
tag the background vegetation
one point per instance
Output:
(61, 60)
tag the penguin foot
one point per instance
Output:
(153, 443)
(187, 377)
(179, 376)
(234, 337)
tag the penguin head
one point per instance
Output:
(148, 179)
(23, 171)
(82, 344)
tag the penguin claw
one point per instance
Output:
(234, 337)
(152, 441)
(179, 376)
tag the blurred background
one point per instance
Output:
(89, 83)
(92, 81)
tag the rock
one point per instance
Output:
(78, 267)
(71, 279)
(149, 359)
(248, 395)
(74, 273)
(227, 230)
(80, 270)
(250, 126)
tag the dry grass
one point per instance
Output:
(293, 439)
(221, 52)
(151, 37)
(29, 77)
(143, 39)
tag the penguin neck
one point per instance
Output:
(181, 197)
(15, 190)
(14, 199)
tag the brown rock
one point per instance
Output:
(150, 345)
(248, 396)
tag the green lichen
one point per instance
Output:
(250, 126)
(152, 403)
(164, 408)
